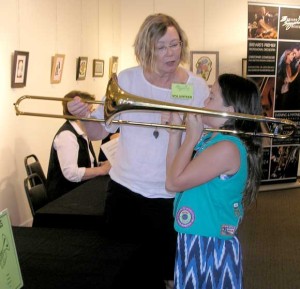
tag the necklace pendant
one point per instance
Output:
(156, 133)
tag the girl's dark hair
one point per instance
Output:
(244, 96)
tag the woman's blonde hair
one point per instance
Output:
(153, 28)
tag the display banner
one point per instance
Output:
(273, 62)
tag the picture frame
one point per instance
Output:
(82, 63)
(98, 68)
(113, 65)
(19, 69)
(205, 64)
(244, 67)
(57, 66)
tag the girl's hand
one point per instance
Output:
(172, 118)
(79, 108)
(175, 118)
(194, 127)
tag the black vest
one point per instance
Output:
(56, 183)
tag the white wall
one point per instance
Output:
(96, 29)
(212, 25)
(74, 28)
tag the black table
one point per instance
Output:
(59, 258)
(82, 207)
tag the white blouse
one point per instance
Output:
(66, 145)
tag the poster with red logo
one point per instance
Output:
(273, 62)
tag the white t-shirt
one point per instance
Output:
(140, 157)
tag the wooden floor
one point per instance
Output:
(270, 237)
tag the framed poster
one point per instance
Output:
(81, 68)
(19, 69)
(57, 68)
(262, 21)
(98, 68)
(205, 64)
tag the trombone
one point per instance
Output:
(118, 100)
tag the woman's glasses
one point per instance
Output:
(174, 46)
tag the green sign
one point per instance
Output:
(10, 273)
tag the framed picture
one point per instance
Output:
(113, 65)
(19, 69)
(244, 67)
(81, 68)
(57, 68)
(98, 68)
(205, 64)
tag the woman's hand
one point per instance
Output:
(101, 170)
(105, 167)
(165, 117)
(79, 108)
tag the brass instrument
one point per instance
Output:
(70, 117)
(117, 101)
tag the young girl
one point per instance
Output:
(216, 185)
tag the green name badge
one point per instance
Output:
(182, 91)
(10, 273)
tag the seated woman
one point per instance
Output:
(72, 159)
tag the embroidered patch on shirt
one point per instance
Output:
(228, 230)
(185, 217)
(237, 210)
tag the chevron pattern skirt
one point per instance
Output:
(208, 263)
